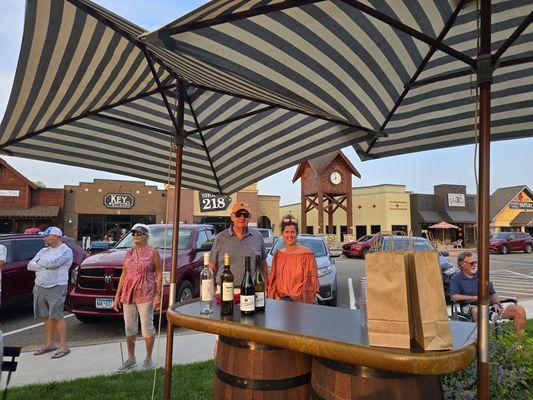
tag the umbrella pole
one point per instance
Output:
(175, 241)
(484, 75)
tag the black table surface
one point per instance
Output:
(332, 333)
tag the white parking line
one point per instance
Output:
(352, 295)
(30, 327)
(514, 272)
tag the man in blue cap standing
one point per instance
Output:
(51, 265)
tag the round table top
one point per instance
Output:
(327, 332)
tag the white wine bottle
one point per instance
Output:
(259, 285)
(207, 288)
(226, 281)
(247, 290)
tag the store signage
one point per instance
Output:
(213, 202)
(119, 200)
(521, 205)
(456, 200)
(10, 193)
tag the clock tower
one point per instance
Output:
(326, 186)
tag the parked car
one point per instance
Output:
(94, 283)
(417, 244)
(359, 248)
(327, 271)
(17, 281)
(99, 246)
(268, 236)
(505, 242)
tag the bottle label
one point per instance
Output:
(247, 303)
(227, 291)
(259, 299)
(207, 289)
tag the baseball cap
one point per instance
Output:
(52, 230)
(240, 206)
(141, 228)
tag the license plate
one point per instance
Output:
(104, 304)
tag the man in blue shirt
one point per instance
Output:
(463, 289)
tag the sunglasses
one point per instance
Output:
(289, 221)
(471, 263)
(244, 214)
(136, 233)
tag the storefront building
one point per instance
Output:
(449, 203)
(25, 205)
(511, 209)
(379, 208)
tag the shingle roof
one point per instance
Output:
(503, 196)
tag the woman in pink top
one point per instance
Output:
(139, 293)
(293, 276)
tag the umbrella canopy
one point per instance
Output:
(444, 225)
(88, 93)
(405, 69)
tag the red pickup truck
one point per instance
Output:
(93, 285)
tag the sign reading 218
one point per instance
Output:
(213, 202)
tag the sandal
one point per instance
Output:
(61, 353)
(44, 350)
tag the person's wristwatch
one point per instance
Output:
(157, 292)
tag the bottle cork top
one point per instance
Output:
(226, 259)
(206, 258)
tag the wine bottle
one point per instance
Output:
(226, 280)
(259, 285)
(247, 290)
(207, 288)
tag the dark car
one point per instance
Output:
(99, 246)
(359, 248)
(326, 269)
(94, 283)
(505, 242)
(17, 281)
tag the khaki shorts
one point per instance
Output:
(49, 302)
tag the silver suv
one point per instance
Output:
(268, 236)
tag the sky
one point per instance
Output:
(511, 161)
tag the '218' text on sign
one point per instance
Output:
(213, 202)
(119, 200)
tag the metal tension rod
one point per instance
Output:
(510, 40)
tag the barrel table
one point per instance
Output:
(306, 351)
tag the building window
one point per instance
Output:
(400, 228)
(344, 231)
(360, 231)
(264, 222)
(334, 230)
(309, 230)
(375, 228)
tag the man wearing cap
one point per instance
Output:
(51, 265)
(239, 242)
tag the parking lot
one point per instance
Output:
(512, 275)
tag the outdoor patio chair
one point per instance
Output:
(9, 365)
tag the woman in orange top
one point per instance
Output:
(293, 276)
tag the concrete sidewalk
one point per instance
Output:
(104, 359)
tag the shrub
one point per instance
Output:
(510, 369)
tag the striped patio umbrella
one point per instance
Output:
(421, 74)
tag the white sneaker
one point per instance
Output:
(148, 364)
(128, 364)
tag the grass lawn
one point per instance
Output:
(529, 328)
(190, 382)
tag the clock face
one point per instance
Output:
(335, 178)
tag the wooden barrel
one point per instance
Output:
(249, 370)
(334, 380)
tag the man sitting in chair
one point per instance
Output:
(463, 290)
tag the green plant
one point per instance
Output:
(510, 369)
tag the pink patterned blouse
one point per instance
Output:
(139, 285)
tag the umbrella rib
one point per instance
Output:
(420, 68)
(199, 130)
(521, 28)
(162, 92)
(229, 120)
(410, 31)
(82, 115)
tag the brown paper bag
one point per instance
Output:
(387, 299)
(429, 318)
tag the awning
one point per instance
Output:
(430, 217)
(523, 219)
(464, 217)
(32, 212)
